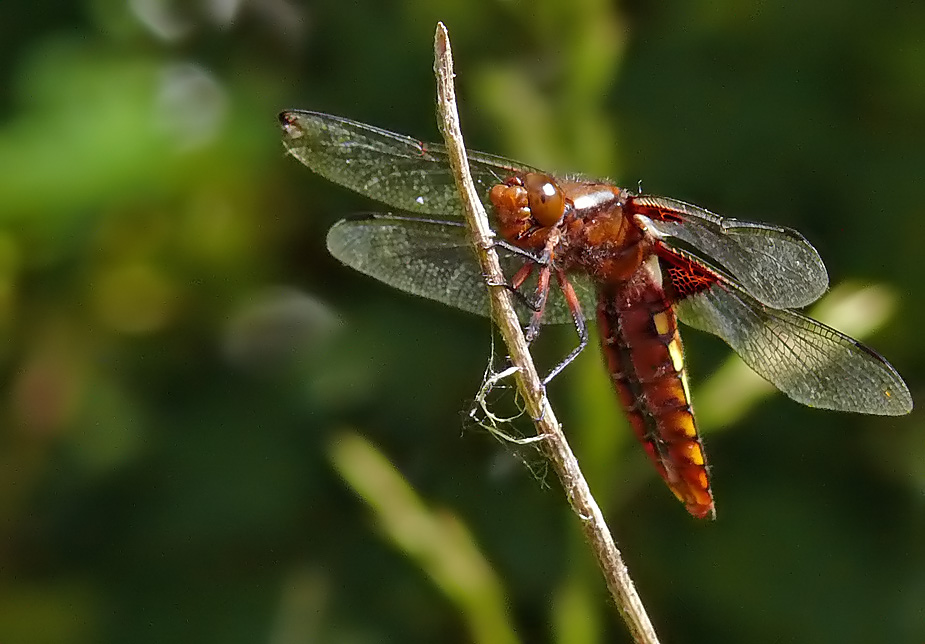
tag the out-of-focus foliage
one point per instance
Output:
(179, 354)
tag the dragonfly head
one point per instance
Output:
(527, 202)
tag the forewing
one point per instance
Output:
(776, 265)
(397, 170)
(434, 259)
(810, 362)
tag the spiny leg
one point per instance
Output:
(578, 317)
(542, 295)
(517, 281)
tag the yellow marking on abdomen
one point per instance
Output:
(677, 355)
(661, 323)
(681, 422)
(691, 450)
(687, 388)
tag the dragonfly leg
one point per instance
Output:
(517, 282)
(542, 292)
(544, 261)
(517, 250)
(525, 300)
(581, 325)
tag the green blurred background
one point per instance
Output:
(214, 432)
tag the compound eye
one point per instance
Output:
(547, 205)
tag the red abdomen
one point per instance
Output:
(639, 336)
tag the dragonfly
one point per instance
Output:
(579, 249)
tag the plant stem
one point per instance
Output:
(553, 442)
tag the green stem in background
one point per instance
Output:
(436, 540)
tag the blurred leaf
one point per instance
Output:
(437, 541)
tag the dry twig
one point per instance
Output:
(553, 444)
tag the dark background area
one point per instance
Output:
(212, 431)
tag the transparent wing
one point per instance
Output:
(397, 170)
(776, 265)
(810, 362)
(434, 259)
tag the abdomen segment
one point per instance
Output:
(639, 336)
